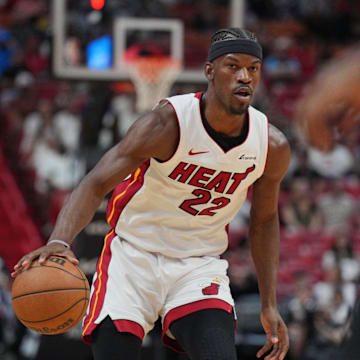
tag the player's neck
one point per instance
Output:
(219, 119)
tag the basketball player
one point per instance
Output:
(330, 109)
(180, 175)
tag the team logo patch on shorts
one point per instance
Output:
(212, 289)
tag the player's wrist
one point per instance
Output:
(57, 241)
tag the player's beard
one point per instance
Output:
(239, 111)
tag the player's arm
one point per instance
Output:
(264, 242)
(330, 105)
(153, 135)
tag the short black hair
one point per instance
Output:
(232, 34)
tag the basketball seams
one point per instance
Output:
(83, 310)
(57, 315)
(82, 274)
(58, 268)
(87, 296)
(86, 293)
(46, 291)
(86, 289)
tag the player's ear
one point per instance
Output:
(209, 70)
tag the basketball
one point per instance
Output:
(50, 298)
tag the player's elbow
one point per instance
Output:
(95, 185)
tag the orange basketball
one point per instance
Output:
(50, 298)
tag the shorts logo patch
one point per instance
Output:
(212, 289)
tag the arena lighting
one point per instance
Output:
(97, 4)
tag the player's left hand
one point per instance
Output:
(276, 333)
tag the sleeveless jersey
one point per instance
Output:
(181, 207)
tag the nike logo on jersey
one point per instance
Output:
(247, 157)
(191, 152)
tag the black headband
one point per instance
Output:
(243, 46)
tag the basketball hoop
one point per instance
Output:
(152, 77)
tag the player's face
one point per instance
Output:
(235, 77)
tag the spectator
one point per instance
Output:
(43, 148)
(67, 125)
(301, 210)
(333, 164)
(342, 254)
(324, 291)
(36, 126)
(327, 336)
(340, 313)
(330, 325)
(331, 322)
(301, 308)
(336, 206)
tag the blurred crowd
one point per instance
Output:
(52, 131)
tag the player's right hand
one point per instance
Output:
(42, 254)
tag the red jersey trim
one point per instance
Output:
(129, 326)
(187, 309)
(268, 145)
(124, 192)
(98, 295)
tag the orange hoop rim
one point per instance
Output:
(154, 60)
(149, 68)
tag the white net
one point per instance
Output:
(152, 77)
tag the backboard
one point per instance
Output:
(91, 45)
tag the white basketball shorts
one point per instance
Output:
(135, 287)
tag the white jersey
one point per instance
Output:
(180, 208)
